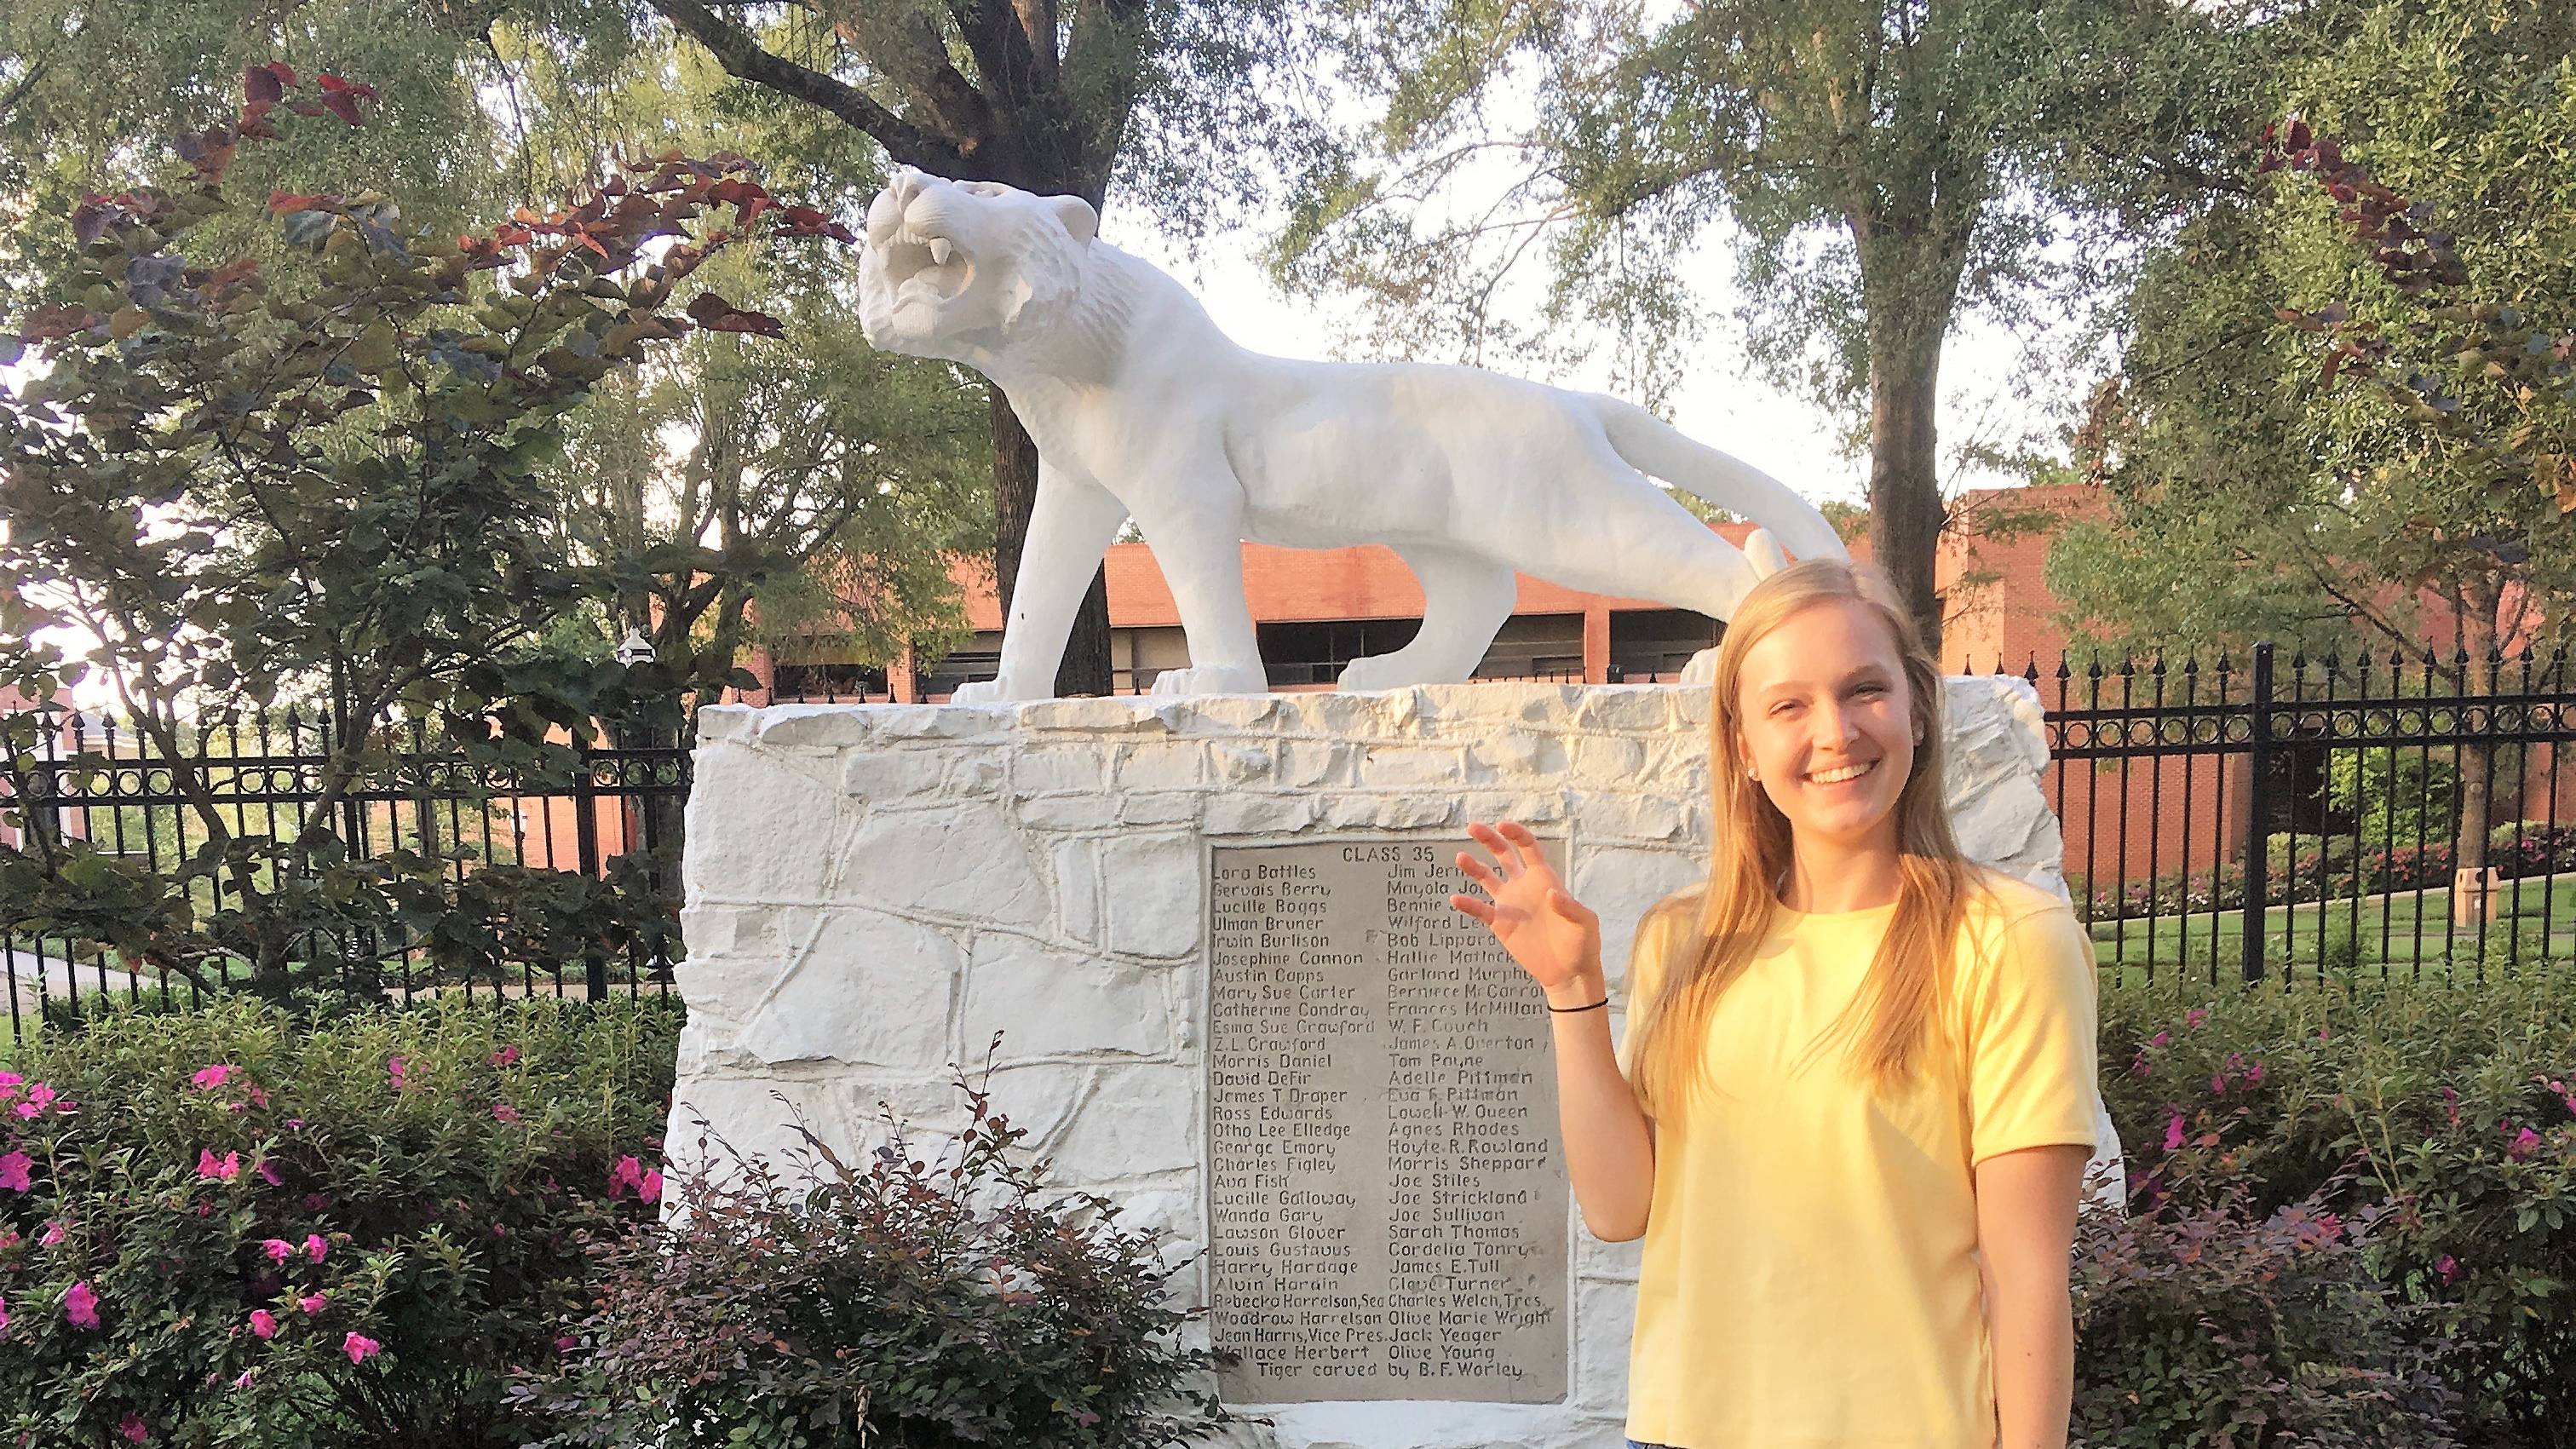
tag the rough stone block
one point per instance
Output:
(974, 775)
(1390, 810)
(859, 987)
(1077, 889)
(1220, 713)
(1089, 716)
(1515, 755)
(1634, 708)
(1385, 766)
(1611, 760)
(1309, 764)
(1160, 765)
(726, 722)
(1247, 813)
(757, 825)
(1067, 812)
(1053, 768)
(1053, 1003)
(1136, 1120)
(827, 726)
(1630, 817)
(1155, 888)
(963, 861)
(1161, 807)
(1243, 764)
(1604, 1314)
(892, 776)
(939, 721)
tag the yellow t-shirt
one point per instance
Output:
(1808, 1280)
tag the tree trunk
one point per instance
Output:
(2477, 609)
(1905, 512)
(1015, 494)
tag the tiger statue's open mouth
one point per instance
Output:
(951, 265)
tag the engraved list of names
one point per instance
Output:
(1387, 1205)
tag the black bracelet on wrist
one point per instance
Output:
(1596, 1006)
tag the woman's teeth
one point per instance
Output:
(1847, 772)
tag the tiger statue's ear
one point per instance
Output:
(1077, 216)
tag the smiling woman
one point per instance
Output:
(1860, 1072)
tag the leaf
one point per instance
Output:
(265, 85)
(343, 104)
(375, 348)
(127, 322)
(718, 315)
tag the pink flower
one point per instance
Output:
(2330, 1226)
(294, 1124)
(315, 1250)
(246, 1376)
(504, 1112)
(2162, 1038)
(2173, 1133)
(396, 1069)
(4, 1318)
(2254, 1075)
(268, 1173)
(39, 1097)
(651, 1192)
(9, 1085)
(627, 1176)
(2325, 1033)
(315, 1202)
(210, 1078)
(2451, 1105)
(132, 1428)
(2524, 1144)
(499, 1231)
(80, 1305)
(210, 1169)
(567, 1343)
(313, 1303)
(53, 1232)
(14, 1172)
(263, 1323)
(278, 1250)
(2196, 1018)
(359, 1347)
(2447, 1266)
(505, 1056)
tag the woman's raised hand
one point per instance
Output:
(1554, 937)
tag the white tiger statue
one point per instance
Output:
(1140, 406)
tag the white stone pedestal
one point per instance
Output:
(875, 890)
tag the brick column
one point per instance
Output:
(903, 677)
(1596, 643)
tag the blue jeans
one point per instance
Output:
(1633, 1444)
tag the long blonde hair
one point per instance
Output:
(1898, 998)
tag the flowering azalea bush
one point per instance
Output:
(232, 1227)
(918, 1299)
(2433, 1126)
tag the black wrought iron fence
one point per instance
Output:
(95, 794)
(2398, 813)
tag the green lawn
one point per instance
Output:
(2132, 950)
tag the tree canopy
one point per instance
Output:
(1880, 168)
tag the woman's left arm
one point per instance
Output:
(2026, 1203)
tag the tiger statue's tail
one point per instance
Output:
(1659, 450)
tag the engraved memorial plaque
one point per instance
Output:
(1387, 1201)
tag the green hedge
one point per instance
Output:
(2411, 1143)
(230, 1227)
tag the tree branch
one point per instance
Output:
(743, 56)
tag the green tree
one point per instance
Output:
(1881, 167)
(480, 114)
(244, 487)
(2347, 412)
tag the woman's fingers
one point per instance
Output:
(1570, 908)
(1479, 872)
(1515, 834)
(1492, 839)
(1470, 906)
